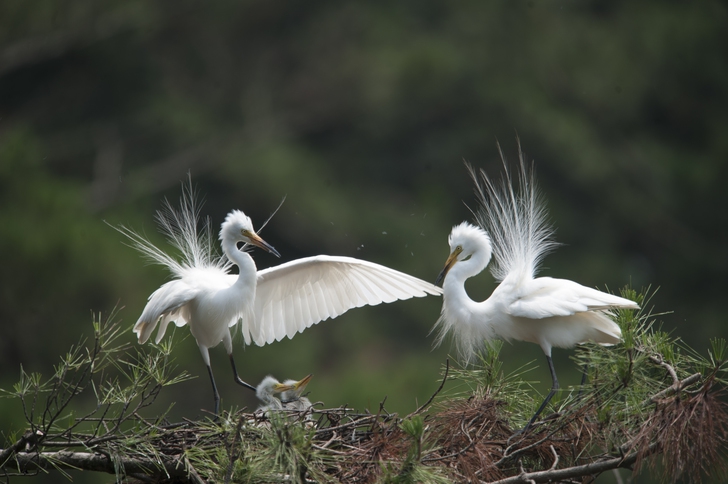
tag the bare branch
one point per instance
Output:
(673, 389)
(657, 359)
(555, 475)
(439, 389)
(556, 458)
(28, 439)
(27, 462)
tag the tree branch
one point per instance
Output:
(28, 439)
(439, 389)
(555, 475)
(27, 462)
(674, 388)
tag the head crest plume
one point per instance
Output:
(234, 219)
(466, 231)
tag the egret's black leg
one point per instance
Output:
(237, 378)
(554, 388)
(584, 374)
(214, 390)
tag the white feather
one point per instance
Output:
(313, 289)
(546, 311)
(269, 304)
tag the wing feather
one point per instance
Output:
(365, 292)
(339, 290)
(294, 296)
(545, 297)
(321, 303)
(381, 289)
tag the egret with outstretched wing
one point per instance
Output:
(270, 304)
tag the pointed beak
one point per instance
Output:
(300, 385)
(256, 240)
(448, 265)
(282, 387)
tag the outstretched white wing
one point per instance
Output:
(293, 296)
(545, 297)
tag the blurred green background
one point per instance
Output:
(361, 114)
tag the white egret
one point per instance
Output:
(546, 311)
(272, 303)
(202, 295)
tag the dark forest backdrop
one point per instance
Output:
(361, 114)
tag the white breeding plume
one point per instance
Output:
(546, 311)
(270, 304)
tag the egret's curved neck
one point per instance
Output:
(246, 266)
(454, 284)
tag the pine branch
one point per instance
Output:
(649, 400)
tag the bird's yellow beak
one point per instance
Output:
(281, 387)
(256, 240)
(300, 385)
(448, 265)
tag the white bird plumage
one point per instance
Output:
(270, 304)
(283, 396)
(298, 294)
(548, 312)
(293, 398)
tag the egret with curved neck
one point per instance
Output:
(549, 312)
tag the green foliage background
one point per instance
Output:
(360, 114)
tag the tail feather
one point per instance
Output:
(609, 332)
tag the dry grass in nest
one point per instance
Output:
(691, 432)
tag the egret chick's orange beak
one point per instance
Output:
(448, 265)
(256, 240)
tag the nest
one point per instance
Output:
(648, 405)
(461, 440)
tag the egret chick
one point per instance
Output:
(271, 304)
(266, 392)
(546, 311)
(282, 396)
(293, 399)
